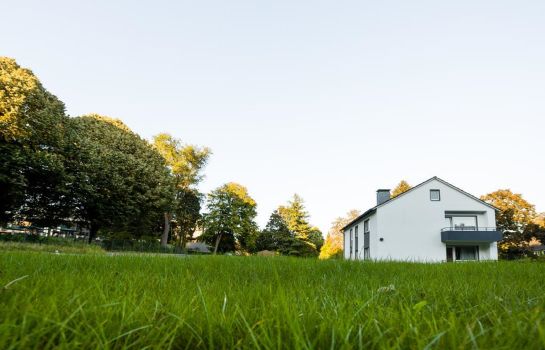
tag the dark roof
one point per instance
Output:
(374, 209)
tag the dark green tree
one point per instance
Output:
(229, 224)
(316, 237)
(276, 236)
(187, 213)
(120, 181)
(296, 218)
(32, 134)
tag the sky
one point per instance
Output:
(327, 99)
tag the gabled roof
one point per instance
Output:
(374, 209)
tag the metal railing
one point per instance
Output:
(469, 228)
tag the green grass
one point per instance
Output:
(73, 248)
(100, 301)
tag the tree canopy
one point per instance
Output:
(514, 217)
(28, 112)
(229, 224)
(32, 130)
(402, 186)
(289, 232)
(333, 246)
(276, 236)
(296, 217)
(185, 163)
(120, 181)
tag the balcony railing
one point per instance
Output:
(468, 228)
(470, 234)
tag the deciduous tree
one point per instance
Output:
(402, 186)
(513, 218)
(120, 181)
(32, 132)
(185, 163)
(229, 224)
(333, 246)
(316, 237)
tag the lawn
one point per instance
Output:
(66, 248)
(100, 301)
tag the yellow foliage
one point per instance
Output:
(16, 84)
(333, 245)
(403, 186)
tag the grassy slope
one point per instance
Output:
(222, 302)
(74, 248)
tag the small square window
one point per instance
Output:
(435, 195)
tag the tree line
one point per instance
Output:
(95, 172)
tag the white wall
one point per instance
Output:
(361, 240)
(411, 225)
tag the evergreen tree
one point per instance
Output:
(296, 217)
(276, 236)
(305, 237)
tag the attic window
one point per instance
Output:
(435, 195)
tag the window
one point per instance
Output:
(462, 253)
(462, 223)
(435, 195)
(366, 235)
(350, 243)
(356, 241)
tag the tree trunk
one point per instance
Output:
(217, 243)
(166, 230)
(93, 230)
(183, 240)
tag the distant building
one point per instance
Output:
(432, 222)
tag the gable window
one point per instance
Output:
(435, 195)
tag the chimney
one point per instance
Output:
(382, 196)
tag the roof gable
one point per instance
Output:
(373, 209)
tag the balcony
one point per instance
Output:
(471, 234)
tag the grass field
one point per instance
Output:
(99, 301)
(75, 248)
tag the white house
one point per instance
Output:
(432, 222)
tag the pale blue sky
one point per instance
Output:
(329, 99)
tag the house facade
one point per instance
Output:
(432, 222)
